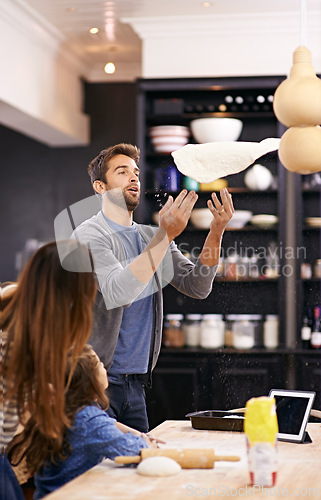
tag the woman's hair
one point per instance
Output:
(82, 389)
(98, 166)
(49, 313)
(7, 291)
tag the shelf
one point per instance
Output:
(316, 190)
(232, 190)
(261, 279)
(193, 116)
(249, 229)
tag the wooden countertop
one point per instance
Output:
(298, 471)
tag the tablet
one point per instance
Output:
(293, 411)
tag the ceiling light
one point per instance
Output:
(110, 68)
(93, 31)
(71, 9)
(206, 4)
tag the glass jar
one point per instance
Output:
(212, 331)
(231, 266)
(228, 334)
(173, 335)
(317, 268)
(192, 329)
(271, 331)
(246, 330)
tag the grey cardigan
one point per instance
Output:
(118, 287)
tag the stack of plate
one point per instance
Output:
(168, 138)
(313, 221)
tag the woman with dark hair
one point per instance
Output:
(49, 313)
(93, 435)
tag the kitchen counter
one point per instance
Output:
(298, 471)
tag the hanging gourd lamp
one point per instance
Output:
(297, 104)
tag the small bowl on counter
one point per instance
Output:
(264, 220)
(201, 218)
(216, 129)
(239, 219)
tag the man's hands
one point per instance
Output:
(222, 211)
(174, 215)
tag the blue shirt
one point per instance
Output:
(93, 437)
(132, 350)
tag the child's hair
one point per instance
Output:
(82, 389)
(50, 312)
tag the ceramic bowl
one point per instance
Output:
(216, 129)
(264, 220)
(201, 218)
(239, 219)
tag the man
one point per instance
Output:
(132, 263)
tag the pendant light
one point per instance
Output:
(297, 104)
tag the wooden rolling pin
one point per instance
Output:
(187, 458)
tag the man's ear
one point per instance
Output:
(99, 187)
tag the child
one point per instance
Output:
(93, 435)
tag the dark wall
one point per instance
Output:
(37, 182)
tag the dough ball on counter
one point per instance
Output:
(158, 466)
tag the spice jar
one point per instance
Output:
(271, 331)
(192, 329)
(173, 335)
(212, 331)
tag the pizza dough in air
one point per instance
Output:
(210, 161)
(158, 466)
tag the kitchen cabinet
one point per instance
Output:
(308, 205)
(177, 102)
(196, 379)
(308, 373)
(187, 380)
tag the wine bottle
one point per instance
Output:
(306, 333)
(316, 332)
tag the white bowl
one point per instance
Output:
(169, 130)
(264, 220)
(216, 129)
(239, 219)
(201, 218)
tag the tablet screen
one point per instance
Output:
(293, 411)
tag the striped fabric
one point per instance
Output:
(8, 412)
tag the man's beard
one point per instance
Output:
(122, 199)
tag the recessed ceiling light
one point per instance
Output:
(206, 4)
(93, 31)
(71, 9)
(110, 68)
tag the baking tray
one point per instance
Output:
(217, 420)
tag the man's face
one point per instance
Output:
(123, 176)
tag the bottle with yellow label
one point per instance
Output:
(261, 428)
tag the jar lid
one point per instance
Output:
(174, 316)
(212, 316)
(272, 316)
(194, 316)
